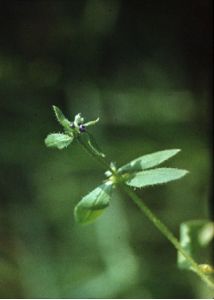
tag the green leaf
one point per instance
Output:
(93, 204)
(148, 161)
(155, 176)
(61, 118)
(90, 123)
(195, 235)
(87, 139)
(58, 140)
(93, 144)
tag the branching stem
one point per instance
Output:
(152, 217)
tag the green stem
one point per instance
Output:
(159, 225)
(167, 233)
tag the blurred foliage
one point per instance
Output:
(144, 68)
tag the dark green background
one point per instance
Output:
(143, 67)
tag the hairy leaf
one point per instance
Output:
(61, 118)
(155, 176)
(92, 205)
(195, 235)
(148, 161)
(58, 140)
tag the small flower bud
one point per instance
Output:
(82, 128)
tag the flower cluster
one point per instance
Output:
(72, 130)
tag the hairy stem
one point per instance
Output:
(167, 233)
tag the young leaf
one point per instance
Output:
(94, 146)
(90, 143)
(148, 161)
(92, 205)
(61, 118)
(58, 140)
(155, 176)
(92, 122)
(194, 235)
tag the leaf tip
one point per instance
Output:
(176, 151)
(54, 108)
(183, 173)
(186, 172)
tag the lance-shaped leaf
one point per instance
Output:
(92, 122)
(61, 118)
(58, 140)
(92, 205)
(93, 144)
(195, 235)
(155, 176)
(89, 142)
(148, 161)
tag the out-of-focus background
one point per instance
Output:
(143, 67)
